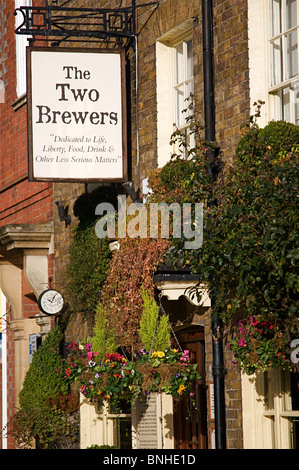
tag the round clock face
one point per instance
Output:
(50, 302)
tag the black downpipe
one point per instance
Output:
(209, 107)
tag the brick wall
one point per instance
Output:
(231, 72)
(231, 111)
(231, 108)
(66, 194)
(21, 201)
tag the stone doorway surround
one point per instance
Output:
(24, 251)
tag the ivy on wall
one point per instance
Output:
(87, 267)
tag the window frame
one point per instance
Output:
(166, 124)
(267, 410)
(283, 88)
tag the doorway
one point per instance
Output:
(190, 420)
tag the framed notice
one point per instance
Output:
(76, 115)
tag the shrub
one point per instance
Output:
(46, 404)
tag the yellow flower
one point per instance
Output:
(229, 307)
(158, 354)
(181, 389)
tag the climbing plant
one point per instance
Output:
(131, 268)
(87, 267)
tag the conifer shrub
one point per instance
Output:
(47, 406)
(154, 330)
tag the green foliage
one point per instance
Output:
(87, 267)
(41, 380)
(118, 381)
(154, 331)
(183, 179)
(250, 251)
(131, 268)
(103, 340)
(259, 344)
(186, 178)
(50, 427)
(40, 417)
(277, 138)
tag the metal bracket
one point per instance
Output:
(73, 24)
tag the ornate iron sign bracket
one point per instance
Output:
(76, 24)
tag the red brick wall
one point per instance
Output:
(21, 201)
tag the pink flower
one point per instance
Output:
(242, 343)
(89, 355)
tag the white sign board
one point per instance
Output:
(34, 343)
(76, 115)
(147, 422)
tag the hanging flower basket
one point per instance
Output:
(115, 378)
(259, 344)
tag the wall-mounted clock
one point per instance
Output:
(50, 302)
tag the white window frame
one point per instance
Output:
(183, 84)
(267, 410)
(284, 86)
(166, 109)
(259, 36)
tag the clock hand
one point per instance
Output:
(53, 298)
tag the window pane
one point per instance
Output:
(180, 105)
(189, 90)
(292, 54)
(296, 110)
(291, 14)
(189, 59)
(276, 61)
(276, 17)
(286, 105)
(179, 64)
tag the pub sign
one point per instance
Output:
(76, 115)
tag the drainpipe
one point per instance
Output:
(218, 367)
